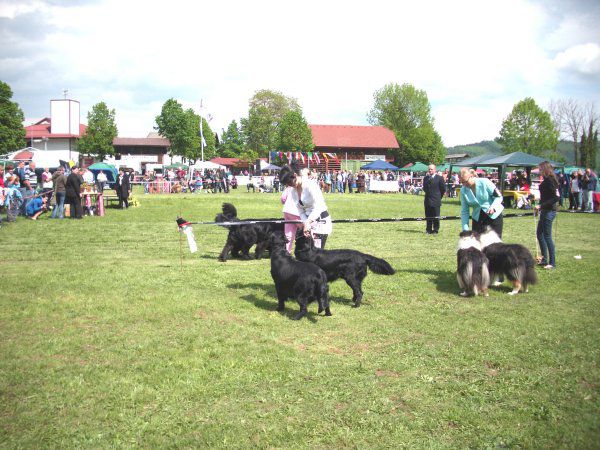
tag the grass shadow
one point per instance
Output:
(262, 303)
(444, 281)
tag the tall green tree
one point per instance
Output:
(406, 111)
(528, 128)
(12, 133)
(294, 133)
(182, 128)
(232, 141)
(101, 131)
(265, 113)
(588, 147)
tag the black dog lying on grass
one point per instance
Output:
(242, 237)
(350, 265)
(303, 281)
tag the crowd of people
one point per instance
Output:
(30, 192)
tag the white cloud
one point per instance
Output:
(584, 59)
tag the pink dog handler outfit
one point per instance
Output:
(290, 212)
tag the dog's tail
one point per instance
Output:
(530, 276)
(378, 265)
(322, 293)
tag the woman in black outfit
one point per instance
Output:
(547, 209)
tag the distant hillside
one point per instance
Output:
(564, 150)
(480, 148)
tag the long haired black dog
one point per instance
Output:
(350, 265)
(471, 265)
(303, 281)
(242, 237)
(513, 260)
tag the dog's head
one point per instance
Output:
(278, 240)
(468, 239)
(304, 243)
(229, 213)
(489, 237)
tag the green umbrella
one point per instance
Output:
(111, 172)
(570, 169)
(416, 167)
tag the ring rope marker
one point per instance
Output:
(391, 219)
(186, 228)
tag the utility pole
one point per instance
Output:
(201, 133)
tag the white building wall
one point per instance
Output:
(64, 117)
(135, 161)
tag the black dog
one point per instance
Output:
(303, 281)
(350, 265)
(242, 237)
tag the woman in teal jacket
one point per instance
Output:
(484, 198)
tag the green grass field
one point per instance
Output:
(113, 335)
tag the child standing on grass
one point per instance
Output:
(13, 200)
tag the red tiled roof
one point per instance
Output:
(25, 155)
(350, 136)
(41, 129)
(142, 142)
(225, 161)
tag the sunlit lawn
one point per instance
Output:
(113, 335)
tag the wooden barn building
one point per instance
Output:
(353, 145)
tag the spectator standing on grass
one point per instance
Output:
(73, 193)
(59, 181)
(589, 186)
(13, 198)
(485, 200)
(351, 182)
(434, 187)
(574, 191)
(123, 189)
(101, 181)
(549, 198)
(88, 176)
(563, 186)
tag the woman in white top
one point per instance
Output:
(309, 200)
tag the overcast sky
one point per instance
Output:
(475, 59)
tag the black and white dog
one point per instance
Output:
(242, 237)
(471, 265)
(350, 265)
(303, 281)
(511, 260)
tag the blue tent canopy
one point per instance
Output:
(111, 172)
(379, 165)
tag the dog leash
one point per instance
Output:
(372, 220)
(537, 244)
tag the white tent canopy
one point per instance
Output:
(202, 165)
(44, 158)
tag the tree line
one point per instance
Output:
(276, 122)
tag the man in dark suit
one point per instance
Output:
(73, 193)
(434, 188)
(123, 188)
